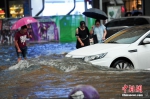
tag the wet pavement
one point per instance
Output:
(48, 74)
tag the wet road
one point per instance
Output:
(48, 74)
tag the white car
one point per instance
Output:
(127, 49)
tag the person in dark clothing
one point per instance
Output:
(82, 34)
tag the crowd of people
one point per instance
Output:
(86, 37)
(7, 37)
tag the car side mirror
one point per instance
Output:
(146, 41)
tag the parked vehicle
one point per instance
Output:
(116, 25)
(127, 49)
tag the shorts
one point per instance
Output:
(23, 52)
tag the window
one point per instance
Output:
(128, 36)
(141, 21)
(133, 5)
(16, 9)
(113, 23)
(127, 22)
(148, 36)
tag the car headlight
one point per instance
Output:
(94, 57)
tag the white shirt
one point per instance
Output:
(99, 31)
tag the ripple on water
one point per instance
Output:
(44, 56)
(52, 93)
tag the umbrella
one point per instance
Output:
(23, 21)
(95, 13)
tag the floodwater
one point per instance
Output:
(47, 74)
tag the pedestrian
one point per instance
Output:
(99, 30)
(20, 42)
(82, 34)
(91, 38)
(4, 37)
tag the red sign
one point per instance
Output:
(132, 88)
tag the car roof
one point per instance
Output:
(136, 17)
(145, 26)
(131, 17)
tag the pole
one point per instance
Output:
(43, 6)
(101, 7)
(6, 10)
(86, 19)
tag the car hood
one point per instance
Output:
(97, 49)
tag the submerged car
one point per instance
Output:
(127, 49)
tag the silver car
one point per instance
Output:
(118, 24)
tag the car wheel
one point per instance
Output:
(122, 64)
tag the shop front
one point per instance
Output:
(16, 9)
(2, 9)
(131, 5)
(119, 8)
(2, 13)
(125, 5)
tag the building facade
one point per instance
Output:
(128, 5)
(146, 4)
(131, 5)
(19, 8)
(14, 8)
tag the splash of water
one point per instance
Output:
(20, 66)
(59, 62)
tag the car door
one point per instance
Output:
(112, 27)
(144, 55)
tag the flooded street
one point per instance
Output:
(48, 74)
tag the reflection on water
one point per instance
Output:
(48, 74)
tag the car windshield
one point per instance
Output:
(128, 36)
